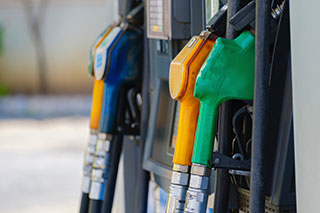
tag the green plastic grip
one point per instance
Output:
(227, 74)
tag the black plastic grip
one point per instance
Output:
(217, 24)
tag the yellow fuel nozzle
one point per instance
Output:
(98, 85)
(183, 72)
(97, 97)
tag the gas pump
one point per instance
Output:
(216, 128)
(97, 96)
(118, 65)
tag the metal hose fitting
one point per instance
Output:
(197, 194)
(101, 167)
(88, 161)
(277, 11)
(178, 188)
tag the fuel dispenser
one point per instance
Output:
(218, 93)
(118, 65)
(97, 96)
(228, 74)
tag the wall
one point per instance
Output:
(67, 28)
(304, 19)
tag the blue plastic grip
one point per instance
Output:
(125, 67)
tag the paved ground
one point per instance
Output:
(42, 141)
(41, 164)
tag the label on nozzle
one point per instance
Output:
(100, 60)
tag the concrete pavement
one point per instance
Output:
(41, 164)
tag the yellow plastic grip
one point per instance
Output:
(183, 71)
(178, 68)
(97, 97)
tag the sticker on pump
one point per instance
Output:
(101, 53)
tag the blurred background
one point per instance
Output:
(45, 100)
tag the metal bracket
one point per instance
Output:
(224, 162)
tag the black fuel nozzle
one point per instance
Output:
(245, 18)
(217, 24)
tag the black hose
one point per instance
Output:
(235, 123)
(225, 133)
(95, 206)
(115, 151)
(261, 106)
(84, 205)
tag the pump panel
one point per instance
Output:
(174, 19)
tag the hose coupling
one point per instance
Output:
(178, 188)
(197, 194)
(88, 161)
(101, 167)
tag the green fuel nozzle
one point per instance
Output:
(228, 73)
